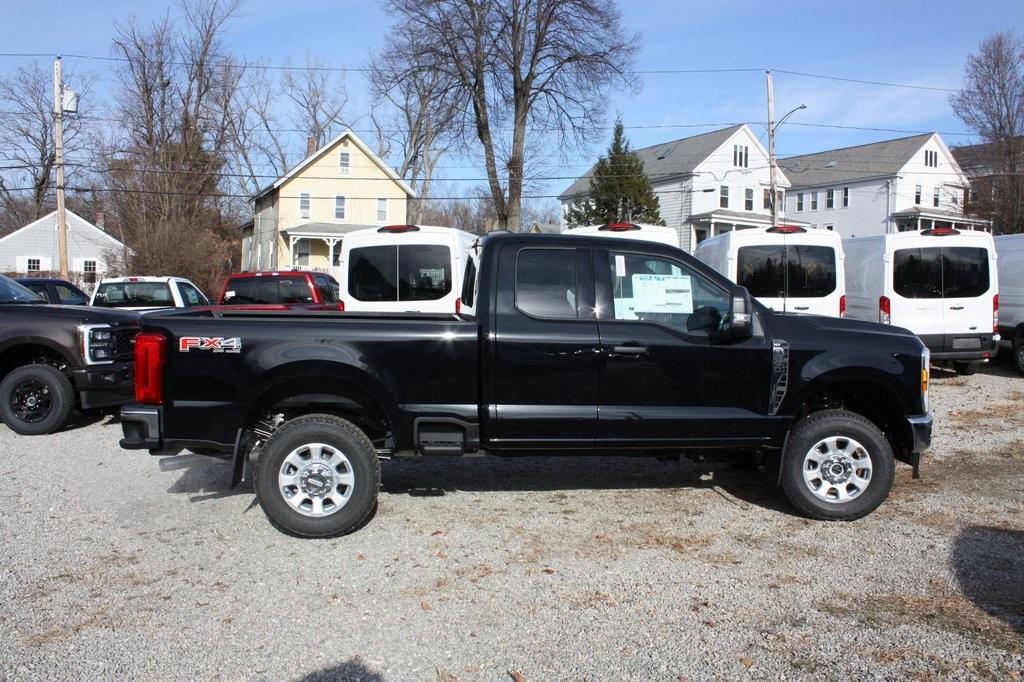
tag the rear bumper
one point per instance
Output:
(961, 346)
(140, 425)
(104, 385)
(920, 432)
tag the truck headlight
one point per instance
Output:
(97, 343)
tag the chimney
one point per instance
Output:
(310, 145)
(101, 218)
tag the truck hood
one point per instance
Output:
(823, 330)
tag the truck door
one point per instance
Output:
(667, 378)
(546, 362)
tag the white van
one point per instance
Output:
(788, 268)
(1010, 250)
(641, 232)
(940, 284)
(405, 268)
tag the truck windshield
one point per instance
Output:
(273, 289)
(12, 292)
(778, 271)
(133, 295)
(941, 272)
(409, 272)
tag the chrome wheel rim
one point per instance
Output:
(837, 469)
(31, 401)
(316, 479)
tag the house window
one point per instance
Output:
(936, 196)
(800, 201)
(301, 256)
(740, 155)
(814, 201)
(89, 271)
(748, 200)
(304, 202)
(830, 227)
(344, 163)
(917, 194)
(846, 197)
(339, 208)
(931, 159)
(382, 210)
(766, 200)
(32, 265)
(723, 196)
(780, 198)
(830, 198)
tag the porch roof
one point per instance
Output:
(725, 215)
(324, 229)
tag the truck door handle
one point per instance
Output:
(630, 349)
(956, 307)
(801, 307)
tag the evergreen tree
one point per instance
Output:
(619, 189)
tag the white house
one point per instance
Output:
(34, 248)
(911, 183)
(706, 184)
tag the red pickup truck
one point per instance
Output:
(281, 290)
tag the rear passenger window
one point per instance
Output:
(469, 283)
(546, 283)
(326, 288)
(941, 272)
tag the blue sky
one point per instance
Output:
(919, 43)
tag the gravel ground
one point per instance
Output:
(539, 568)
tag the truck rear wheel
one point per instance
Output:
(36, 399)
(318, 477)
(837, 466)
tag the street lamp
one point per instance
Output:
(772, 127)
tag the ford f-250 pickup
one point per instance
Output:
(579, 345)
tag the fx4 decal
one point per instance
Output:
(217, 344)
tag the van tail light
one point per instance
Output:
(884, 310)
(458, 306)
(842, 306)
(150, 356)
(995, 314)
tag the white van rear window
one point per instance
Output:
(777, 271)
(941, 272)
(409, 272)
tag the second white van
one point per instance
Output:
(940, 284)
(641, 232)
(1010, 250)
(788, 268)
(405, 268)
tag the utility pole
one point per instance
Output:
(58, 138)
(771, 147)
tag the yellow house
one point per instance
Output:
(300, 220)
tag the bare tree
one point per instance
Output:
(992, 104)
(544, 64)
(319, 99)
(163, 166)
(27, 138)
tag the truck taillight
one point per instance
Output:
(150, 355)
(341, 306)
(842, 306)
(884, 310)
(458, 306)
(995, 314)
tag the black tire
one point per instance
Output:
(338, 434)
(966, 369)
(818, 426)
(50, 392)
(1018, 353)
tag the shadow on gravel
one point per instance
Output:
(208, 481)
(436, 477)
(988, 565)
(352, 670)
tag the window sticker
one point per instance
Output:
(620, 265)
(662, 294)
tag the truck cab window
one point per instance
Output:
(326, 288)
(469, 283)
(657, 289)
(546, 283)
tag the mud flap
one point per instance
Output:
(238, 457)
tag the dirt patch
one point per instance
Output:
(994, 415)
(1013, 451)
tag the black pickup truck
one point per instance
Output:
(54, 358)
(577, 345)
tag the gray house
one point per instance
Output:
(32, 250)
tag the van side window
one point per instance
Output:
(657, 289)
(546, 283)
(469, 283)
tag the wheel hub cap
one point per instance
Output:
(837, 469)
(316, 479)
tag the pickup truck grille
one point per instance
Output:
(124, 343)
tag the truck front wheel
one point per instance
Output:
(36, 399)
(837, 466)
(318, 477)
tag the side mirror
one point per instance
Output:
(740, 324)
